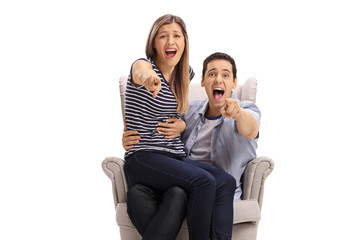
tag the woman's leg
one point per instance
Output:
(222, 221)
(157, 215)
(162, 171)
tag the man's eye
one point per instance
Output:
(211, 74)
(226, 75)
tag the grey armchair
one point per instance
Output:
(247, 212)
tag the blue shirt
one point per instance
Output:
(229, 150)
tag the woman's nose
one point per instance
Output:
(171, 40)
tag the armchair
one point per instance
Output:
(247, 212)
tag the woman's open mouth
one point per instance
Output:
(218, 93)
(170, 53)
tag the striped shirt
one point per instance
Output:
(143, 112)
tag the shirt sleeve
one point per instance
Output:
(191, 73)
(251, 108)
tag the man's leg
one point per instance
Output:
(223, 214)
(142, 205)
(171, 213)
(156, 215)
(222, 218)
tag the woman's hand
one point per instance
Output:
(143, 74)
(172, 128)
(151, 81)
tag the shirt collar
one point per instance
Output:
(213, 118)
(202, 110)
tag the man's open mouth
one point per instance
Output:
(170, 52)
(218, 93)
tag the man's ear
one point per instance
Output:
(234, 83)
(202, 81)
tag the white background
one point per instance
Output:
(60, 112)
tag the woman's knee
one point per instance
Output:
(227, 181)
(207, 180)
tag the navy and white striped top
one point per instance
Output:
(143, 112)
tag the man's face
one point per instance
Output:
(219, 83)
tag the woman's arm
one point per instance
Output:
(143, 74)
(172, 128)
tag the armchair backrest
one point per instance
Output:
(246, 91)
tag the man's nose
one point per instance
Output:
(218, 78)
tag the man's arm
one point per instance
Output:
(129, 138)
(246, 124)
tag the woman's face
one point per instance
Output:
(169, 43)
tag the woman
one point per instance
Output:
(157, 92)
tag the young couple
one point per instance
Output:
(184, 160)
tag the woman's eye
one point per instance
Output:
(162, 36)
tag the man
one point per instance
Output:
(220, 130)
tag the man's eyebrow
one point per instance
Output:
(225, 69)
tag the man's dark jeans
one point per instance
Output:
(157, 215)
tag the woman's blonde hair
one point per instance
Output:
(179, 81)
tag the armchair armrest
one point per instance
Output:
(114, 169)
(254, 178)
